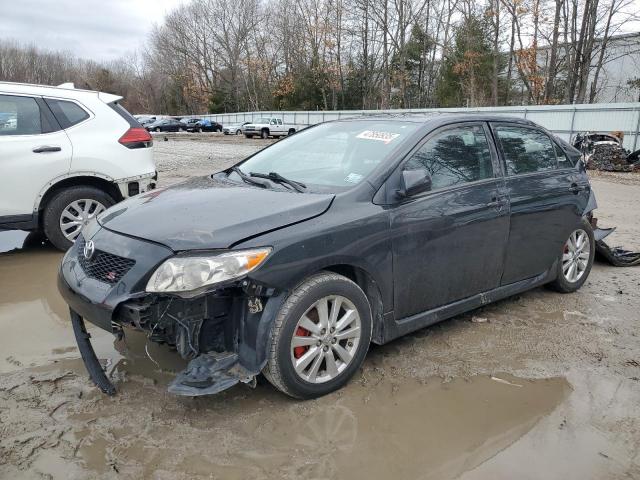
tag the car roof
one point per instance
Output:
(64, 91)
(441, 118)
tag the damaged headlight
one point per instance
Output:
(186, 274)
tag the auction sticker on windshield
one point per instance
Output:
(386, 137)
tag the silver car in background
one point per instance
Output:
(234, 128)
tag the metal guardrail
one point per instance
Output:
(564, 120)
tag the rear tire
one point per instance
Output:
(54, 209)
(575, 262)
(238, 132)
(286, 368)
(291, 131)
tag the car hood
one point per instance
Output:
(208, 213)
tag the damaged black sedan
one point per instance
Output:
(293, 261)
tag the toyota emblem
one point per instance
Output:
(89, 248)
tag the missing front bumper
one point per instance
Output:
(224, 335)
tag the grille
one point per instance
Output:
(103, 266)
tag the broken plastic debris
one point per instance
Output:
(505, 382)
(475, 319)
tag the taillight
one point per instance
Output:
(136, 137)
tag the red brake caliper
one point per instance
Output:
(299, 351)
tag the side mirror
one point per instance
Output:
(414, 182)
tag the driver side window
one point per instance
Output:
(454, 156)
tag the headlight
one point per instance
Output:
(186, 274)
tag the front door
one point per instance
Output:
(547, 196)
(33, 152)
(448, 243)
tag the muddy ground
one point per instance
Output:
(538, 386)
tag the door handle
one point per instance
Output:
(45, 149)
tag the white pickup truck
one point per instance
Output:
(266, 127)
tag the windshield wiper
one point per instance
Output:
(276, 177)
(247, 178)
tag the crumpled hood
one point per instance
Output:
(206, 213)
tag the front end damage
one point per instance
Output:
(223, 331)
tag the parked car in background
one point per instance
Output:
(65, 156)
(293, 261)
(207, 125)
(164, 125)
(234, 128)
(145, 120)
(266, 127)
(189, 124)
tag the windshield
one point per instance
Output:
(339, 154)
(263, 120)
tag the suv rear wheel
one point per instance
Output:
(320, 337)
(69, 210)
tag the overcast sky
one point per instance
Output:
(94, 29)
(91, 29)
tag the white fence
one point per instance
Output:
(563, 120)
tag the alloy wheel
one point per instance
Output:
(325, 339)
(77, 214)
(575, 256)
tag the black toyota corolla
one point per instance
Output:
(293, 261)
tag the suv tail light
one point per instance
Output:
(136, 137)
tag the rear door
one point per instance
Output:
(547, 196)
(448, 243)
(33, 151)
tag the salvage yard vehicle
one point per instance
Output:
(189, 124)
(164, 125)
(293, 261)
(266, 127)
(234, 128)
(65, 156)
(207, 125)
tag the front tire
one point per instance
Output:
(320, 337)
(264, 134)
(576, 260)
(69, 210)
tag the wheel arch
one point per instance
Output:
(253, 353)
(101, 182)
(370, 287)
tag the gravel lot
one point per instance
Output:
(184, 155)
(538, 386)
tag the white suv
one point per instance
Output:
(65, 156)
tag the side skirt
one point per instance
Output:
(398, 328)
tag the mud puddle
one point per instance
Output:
(398, 430)
(34, 320)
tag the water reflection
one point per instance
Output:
(34, 319)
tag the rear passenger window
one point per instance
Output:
(526, 150)
(19, 116)
(67, 113)
(457, 155)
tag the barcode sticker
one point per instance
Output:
(385, 137)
